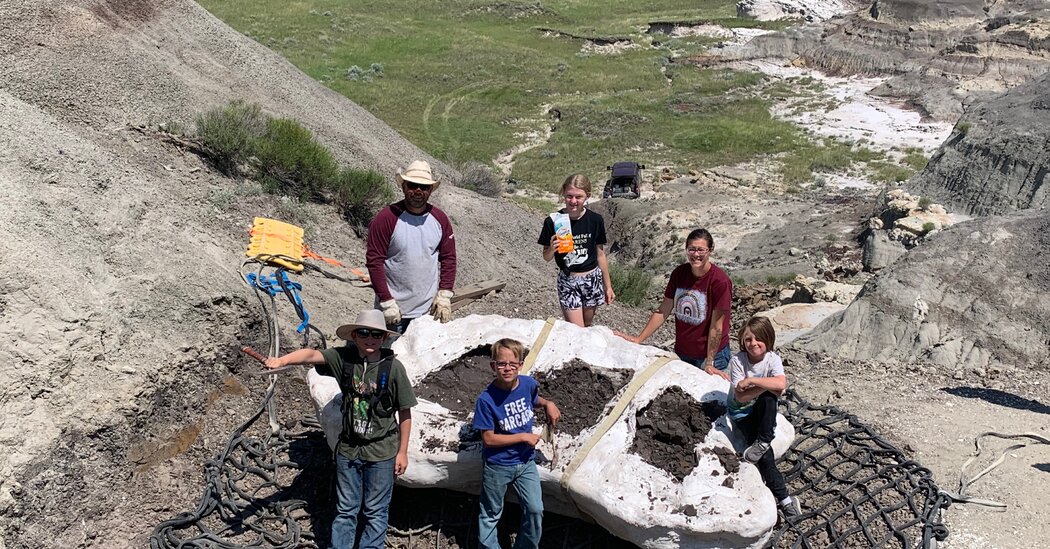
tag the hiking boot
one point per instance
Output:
(756, 451)
(792, 508)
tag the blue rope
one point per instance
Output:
(280, 283)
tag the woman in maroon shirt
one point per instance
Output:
(700, 294)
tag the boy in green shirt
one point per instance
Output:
(373, 446)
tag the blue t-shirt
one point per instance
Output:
(507, 413)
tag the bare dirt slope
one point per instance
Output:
(120, 303)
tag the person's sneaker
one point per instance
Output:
(756, 451)
(791, 508)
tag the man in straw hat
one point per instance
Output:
(373, 446)
(411, 253)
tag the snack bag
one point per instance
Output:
(563, 228)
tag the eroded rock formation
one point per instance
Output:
(998, 158)
(809, 10)
(973, 296)
(941, 55)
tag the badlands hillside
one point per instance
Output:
(121, 309)
(972, 296)
(991, 58)
(996, 160)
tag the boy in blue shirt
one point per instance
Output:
(504, 415)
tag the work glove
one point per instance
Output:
(391, 312)
(442, 307)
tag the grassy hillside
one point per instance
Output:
(466, 80)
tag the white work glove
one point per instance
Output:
(442, 307)
(391, 312)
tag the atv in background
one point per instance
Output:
(624, 180)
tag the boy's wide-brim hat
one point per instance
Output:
(371, 319)
(417, 172)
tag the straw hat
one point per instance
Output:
(371, 319)
(417, 172)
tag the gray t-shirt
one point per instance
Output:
(410, 257)
(740, 367)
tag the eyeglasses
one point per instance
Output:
(505, 365)
(418, 186)
(365, 332)
(698, 251)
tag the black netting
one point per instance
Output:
(857, 489)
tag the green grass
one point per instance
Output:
(535, 205)
(887, 172)
(458, 78)
(915, 160)
(781, 280)
(808, 157)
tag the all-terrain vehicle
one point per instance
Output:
(624, 180)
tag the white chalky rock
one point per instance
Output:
(921, 222)
(773, 10)
(613, 486)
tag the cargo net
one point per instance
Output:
(274, 489)
(857, 489)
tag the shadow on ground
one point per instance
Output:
(434, 517)
(1002, 398)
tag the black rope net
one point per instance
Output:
(250, 491)
(857, 489)
(272, 488)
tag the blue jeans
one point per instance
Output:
(721, 359)
(362, 487)
(526, 481)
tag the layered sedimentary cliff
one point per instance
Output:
(810, 10)
(941, 55)
(998, 158)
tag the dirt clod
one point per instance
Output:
(581, 392)
(669, 429)
(727, 458)
(456, 386)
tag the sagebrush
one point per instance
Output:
(291, 162)
(286, 158)
(229, 134)
(481, 179)
(631, 284)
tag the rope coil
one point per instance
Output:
(242, 504)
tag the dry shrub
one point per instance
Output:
(481, 179)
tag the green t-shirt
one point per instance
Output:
(375, 438)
